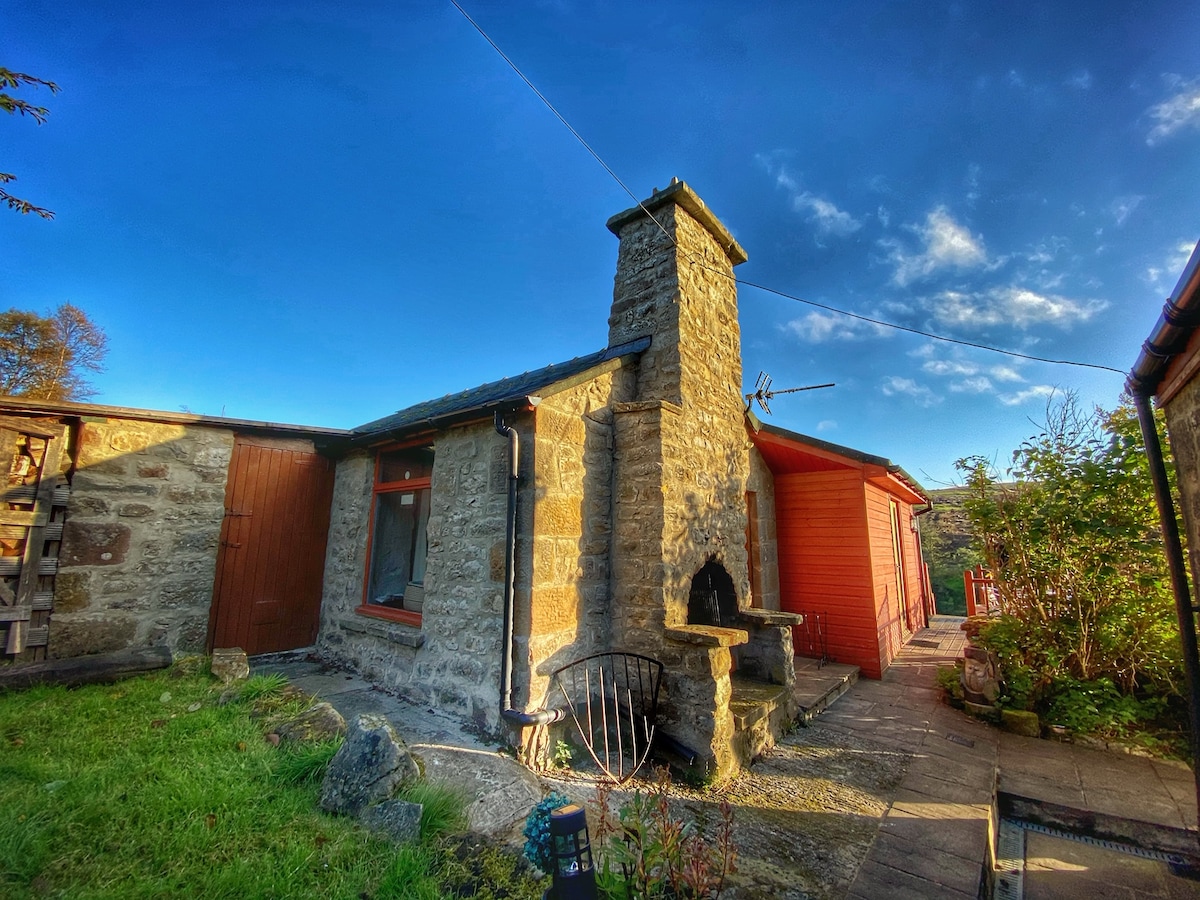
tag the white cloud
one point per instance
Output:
(1010, 305)
(1038, 391)
(1180, 110)
(884, 216)
(1015, 79)
(827, 425)
(1163, 276)
(895, 386)
(825, 215)
(1081, 80)
(971, 182)
(1005, 373)
(973, 377)
(945, 245)
(1123, 207)
(818, 327)
(949, 367)
(978, 384)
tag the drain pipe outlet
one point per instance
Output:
(514, 716)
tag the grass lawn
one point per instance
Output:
(149, 789)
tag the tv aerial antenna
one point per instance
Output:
(763, 393)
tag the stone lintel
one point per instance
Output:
(769, 617)
(707, 635)
(637, 406)
(680, 194)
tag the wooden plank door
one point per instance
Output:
(271, 561)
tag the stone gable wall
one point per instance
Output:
(569, 613)
(140, 542)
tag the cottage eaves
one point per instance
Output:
(506, 394)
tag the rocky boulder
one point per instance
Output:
(368, 768)
(395, 819)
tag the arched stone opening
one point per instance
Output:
(712, 600)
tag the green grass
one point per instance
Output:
(149, 789)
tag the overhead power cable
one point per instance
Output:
(762, 287)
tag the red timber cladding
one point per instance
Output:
(824, 560)
(896, 621)
(893, 629)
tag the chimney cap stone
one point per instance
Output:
(681, 195)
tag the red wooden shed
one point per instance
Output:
(849, 547)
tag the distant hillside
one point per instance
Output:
(946, 538)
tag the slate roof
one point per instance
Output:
(507, 392)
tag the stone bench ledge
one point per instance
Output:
(770, 617)
(707, 635)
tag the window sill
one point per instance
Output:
(403, 616)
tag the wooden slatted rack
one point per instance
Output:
(33, 500)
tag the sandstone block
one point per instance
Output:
(230, 664)
(94, 543)
(72, 636)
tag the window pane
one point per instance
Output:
(398, 545)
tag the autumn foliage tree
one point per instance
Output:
(12, 105)
(46, 357)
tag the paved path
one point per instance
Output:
(932, 841)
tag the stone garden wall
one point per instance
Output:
(140, 542)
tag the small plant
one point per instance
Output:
(561, 759)
(304, 763)
(258, 687)
(443, 807)
(645, 851)
(537, 831)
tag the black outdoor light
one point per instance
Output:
(574, 875)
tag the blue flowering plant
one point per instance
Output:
(537, 831)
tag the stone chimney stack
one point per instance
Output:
(682, 454)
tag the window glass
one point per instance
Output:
(399, 546)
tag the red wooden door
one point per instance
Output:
(270, 565)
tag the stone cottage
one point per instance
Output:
(623, 500)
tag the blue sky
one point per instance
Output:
(320, 213)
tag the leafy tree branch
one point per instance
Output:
(10, 80)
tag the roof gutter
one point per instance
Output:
(1179, 319)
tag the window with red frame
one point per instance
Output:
(399, 524)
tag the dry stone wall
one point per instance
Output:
(140, 542)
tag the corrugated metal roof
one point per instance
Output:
(507, 392)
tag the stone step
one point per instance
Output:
(753, 701)
(818, 685)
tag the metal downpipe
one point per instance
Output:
(1178, 571)
(515, 716)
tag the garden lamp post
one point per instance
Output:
(574, 875)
